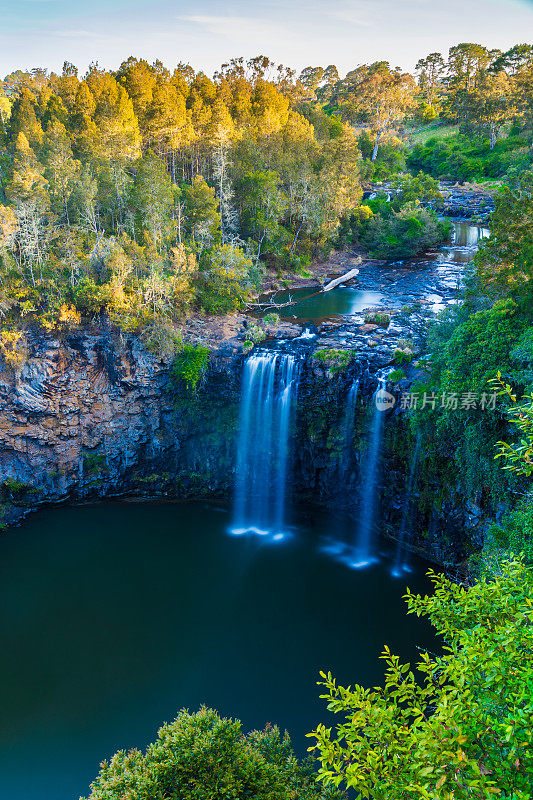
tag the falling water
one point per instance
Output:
(348, 426)
(269, 387)
(363, 545)
(400, 561)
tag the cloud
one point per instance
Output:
(235, 27)
(86, 35)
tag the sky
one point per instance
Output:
(207, 33)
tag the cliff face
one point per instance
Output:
(95, 417)
(92, 416)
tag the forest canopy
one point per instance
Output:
(142, 193)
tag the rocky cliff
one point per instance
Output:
(94, 416)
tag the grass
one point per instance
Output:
(435, 131)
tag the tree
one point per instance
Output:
(430, 73)
(61, 170)
(201, 211)
(24, 120)
(505, 260)
(514, 60)
(380, 96)
(466, 731)
(467, 63)
(152, 197)
(28, 182)
(492, 104)
(227, 280)
(261, 206)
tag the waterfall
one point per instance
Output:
(400, 561)
(348, 426)
(268, 391)
(363, 545)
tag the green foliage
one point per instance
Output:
(518, 457)
(15, 488)
(336, 360)
(505, 260)
(396, 375)
(515, 532)
(415, 189)
(255, 334)
(465, 729)
(402, 356)
(140, 193)
(376, 318)
(404, 234)
(94, 462)
(271, 319)
(189, 365)
(204, 756)
(460, 157)
(226, 282)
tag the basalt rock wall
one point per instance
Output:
(94, 416)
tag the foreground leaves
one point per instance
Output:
(466, 730)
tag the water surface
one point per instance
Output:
(312, 304)
(113, 617)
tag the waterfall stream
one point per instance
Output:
(268, 392)
(364, 554)
(348, 427)
(400, 560)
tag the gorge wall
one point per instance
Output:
(94, 416)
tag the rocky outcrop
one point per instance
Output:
(465, 202)
(93, 416)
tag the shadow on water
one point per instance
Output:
(113, 617)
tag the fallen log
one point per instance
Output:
(343, 278)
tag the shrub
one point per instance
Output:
(189, 365)
(203, 756)
(376, 318)
(336, 360)
(271, 319)
(226, 282)
(255, 334)
(90, 297)
(403, 356)
(463, 727)
(404, 234)
(12, 348)
(396, 375)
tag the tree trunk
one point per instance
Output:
(376, 146)
(293, 245)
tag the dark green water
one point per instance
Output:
(315, 305)
(113, 617)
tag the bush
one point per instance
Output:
(515, 533)
(403, 356)
(336, 360)
(255, 334)
(396, 375)
(405, 234)
(463, 727)
(203, 756)
(12, 348)
(226, 282)
(378, 319)
(90, 297)
(271, 319)
(465, 158)
(189, 365)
